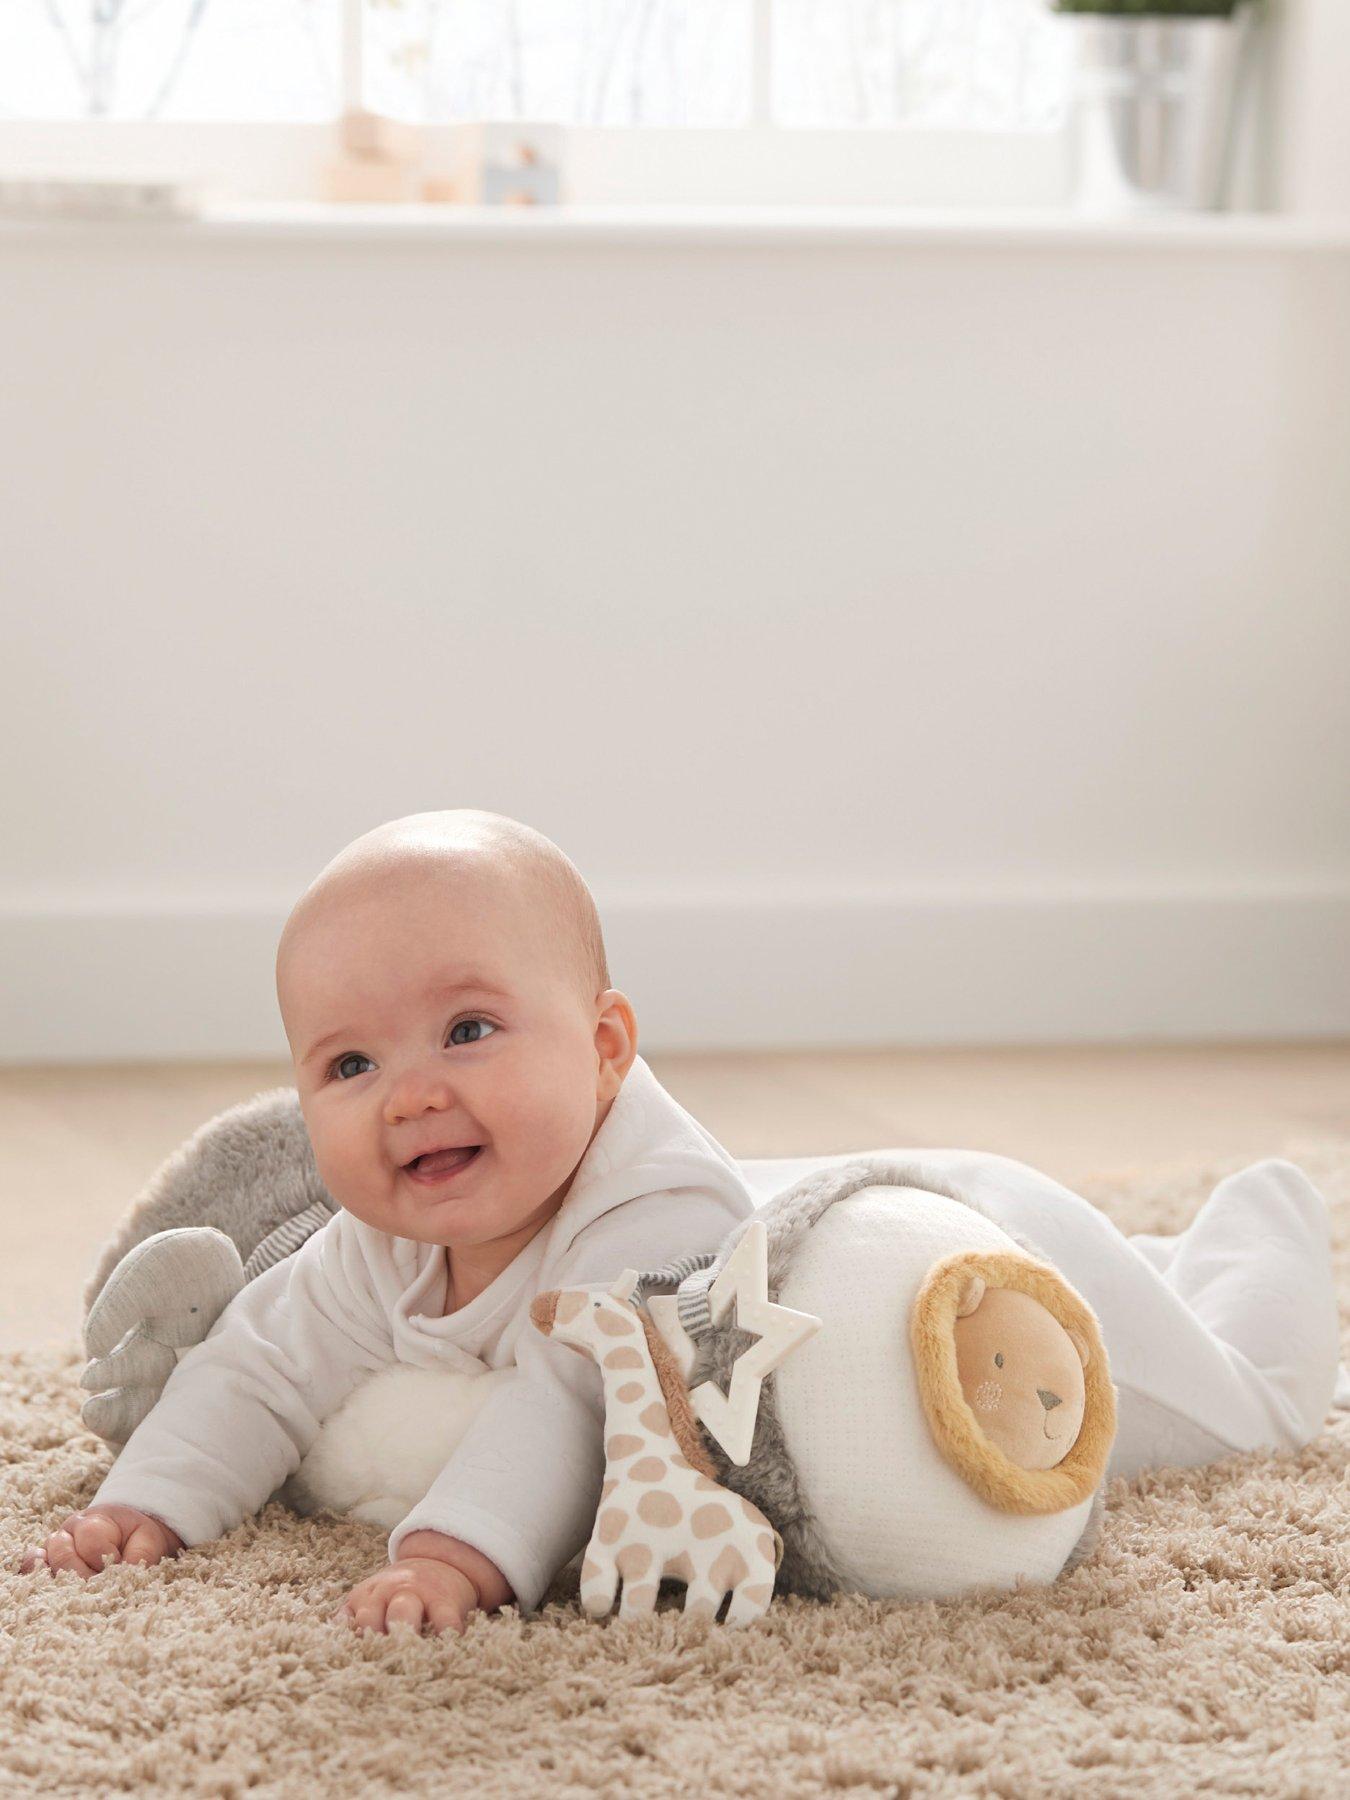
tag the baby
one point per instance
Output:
(476, 1105)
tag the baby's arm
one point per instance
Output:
(522, 1486)
(242, 1408)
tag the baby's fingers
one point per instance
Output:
(404, 1608)
(96, 1538)
(143, 1545)
(367, 1613)
(62, 1554)
(445, 1615)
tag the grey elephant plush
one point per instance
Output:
(242, 1193)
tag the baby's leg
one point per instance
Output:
(1222, 1339)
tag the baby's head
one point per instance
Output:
(443, 985)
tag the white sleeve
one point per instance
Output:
(242, 1408)
(524, 1481)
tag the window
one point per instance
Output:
(987, 64)
(170, 59)
(696, 102)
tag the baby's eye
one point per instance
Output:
(342, 1061)
(998, 1359)
(483, 1026)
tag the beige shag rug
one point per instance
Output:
(1205, 1648)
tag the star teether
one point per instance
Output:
(744, 1283)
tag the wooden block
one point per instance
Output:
(372, 135)
(444, 190)
(354, 180)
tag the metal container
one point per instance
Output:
(1154, 109)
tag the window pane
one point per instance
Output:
(991, 64)
(580, 62)
(169, 59)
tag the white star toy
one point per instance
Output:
(730, 1417)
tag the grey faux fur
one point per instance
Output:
(246, 1172)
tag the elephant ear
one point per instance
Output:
(954, 1290)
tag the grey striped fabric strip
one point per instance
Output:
(287, 1238)
(687, 1278)
(691, 1303)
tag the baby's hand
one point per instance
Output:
(100, 1534)
(413, 1590)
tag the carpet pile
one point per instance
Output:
(1204, 1648)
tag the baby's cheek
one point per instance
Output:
(347, 1168)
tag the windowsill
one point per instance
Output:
(730, 227)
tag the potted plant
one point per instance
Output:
(1154, 101)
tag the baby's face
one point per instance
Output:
(435, 1013)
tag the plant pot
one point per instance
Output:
(1153, 112)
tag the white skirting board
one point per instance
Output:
(126, 984)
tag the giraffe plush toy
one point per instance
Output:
(661, 1514)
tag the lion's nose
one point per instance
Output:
(1048, 1400)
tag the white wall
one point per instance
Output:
(911, 638)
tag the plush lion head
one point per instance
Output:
(1013, 1379)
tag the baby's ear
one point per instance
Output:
(1080, 1344)
(972, 1292)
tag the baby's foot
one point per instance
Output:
(165, 1295)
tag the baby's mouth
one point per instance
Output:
(439, 1163)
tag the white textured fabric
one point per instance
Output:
(243, 1407)
(1223, 1338)
(897, 1517)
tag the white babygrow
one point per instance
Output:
(243, 1407)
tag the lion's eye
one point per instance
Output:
(998, 1359)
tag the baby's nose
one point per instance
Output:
(1048, 1400)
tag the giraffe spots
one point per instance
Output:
(615, 1324)
(608, 1488)
(767, 1548)
(590, 1569)
(656, 1419)
(659, 1509)
(640, 1599)
(622, 1444)
(758, 1593)
(633, 1561)
(709, 1520)
(625, 1357)
(704, 1486)
(681, 1567)
(729, 1568)
(610, 1526)
(630, 1391)
(569, 1304)
(648, 1468)
(679, 1462)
